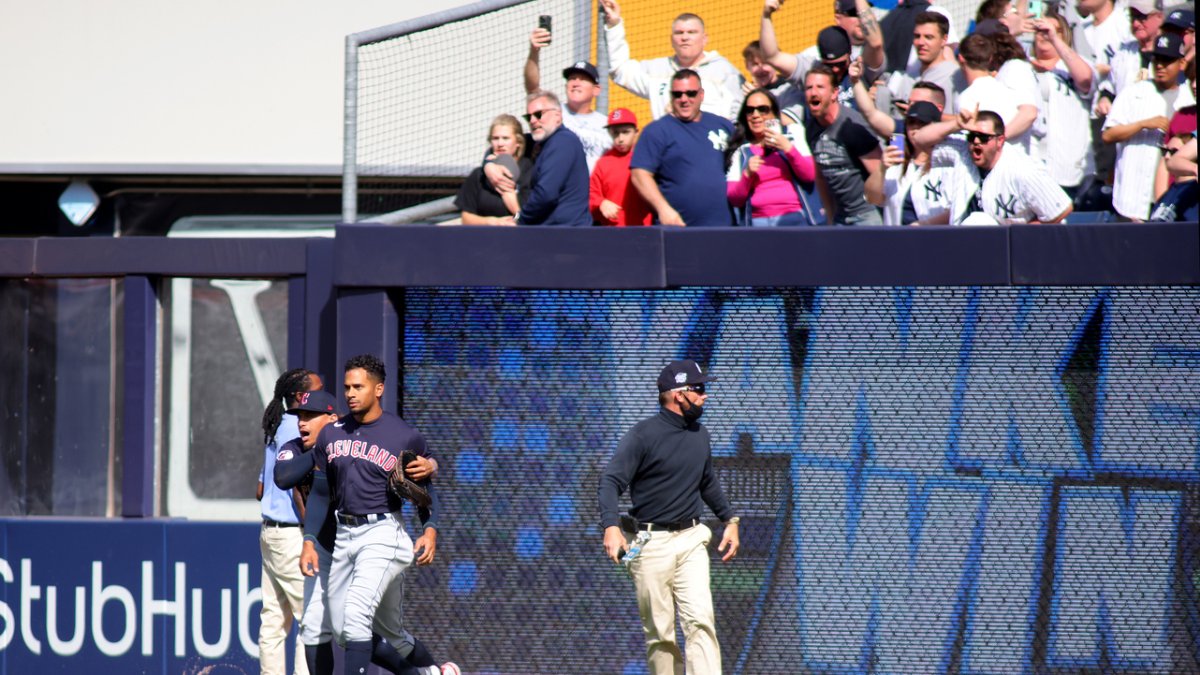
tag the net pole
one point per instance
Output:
(350, 134)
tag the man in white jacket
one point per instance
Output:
(651, 79)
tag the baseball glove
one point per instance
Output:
(403, 487)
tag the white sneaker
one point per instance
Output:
(450, 668)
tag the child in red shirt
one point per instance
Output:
(613, 199)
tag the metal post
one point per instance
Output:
(350, 135)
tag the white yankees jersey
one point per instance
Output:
(1109, 37)
(990, 94)
(948, 185)
(651, 79)
(1020, 78)
(1064, 129)
(1019, 190)
(1137, 158)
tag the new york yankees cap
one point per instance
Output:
(678, 374)
(1170, 46)
(319, 401)
(833, 42)
(1181, 17)
(582, 67)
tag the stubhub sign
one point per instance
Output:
(128, 597)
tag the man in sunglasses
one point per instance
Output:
(679, 163)
(665, 462)
(1137, 124)
(1015, 188)
(855, 35)
(559, 195)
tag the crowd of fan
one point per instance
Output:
(1038, 112)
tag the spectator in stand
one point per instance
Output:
(1099, 37)
(1013, 72)
(1003, 12)
(480, 202)
(976, 56)
(900, 21)
(651, 79)
(1179, 202)
(1132, 64)
(1066, 83)
(930, 35)
(1182, 21)
(850, 179)
(920, 190)
(855, 35)
(583, 86)
(678, 164)
(1015, 189)
(765, 166)
(1137, 123)
(1184, 119)
(765, 76)
(559, 186)
(612, 198)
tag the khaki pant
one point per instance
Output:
(672, 570)
(282, 598)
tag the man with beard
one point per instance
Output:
(850, 175)
(1015, 189)
(1138, 122)
(560, 174)
(583, 86)
(666, 463)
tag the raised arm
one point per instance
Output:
(881, 122)
(784, 62)
(872, 53)
(624, 70)
(533, 73)
(1081, 72)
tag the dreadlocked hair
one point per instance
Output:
(288, 385)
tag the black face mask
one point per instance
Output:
(690, 411)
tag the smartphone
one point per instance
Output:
(898, 143)
(1035, 7)
(544, 23)
(775, 125)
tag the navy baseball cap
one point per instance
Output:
(847, 7)
(582, 67)
(990, 27)
(1181, 17)
(923, 111)
(319, 401)
(1169, 46)
(833, 43)
(678, 374)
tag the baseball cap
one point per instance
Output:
(682, 373)
(923, 111)
(990, 27)
(952, 36)
(833, 43)
(1146, 6)
(1169, 45)
(582, 67)
(621, 116)
(1181, 17)
(847, 7)
(319, 401)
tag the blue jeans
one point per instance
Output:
(792, 219)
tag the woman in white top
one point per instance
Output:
(917, 192)
(1013, 71)
(1066, 83)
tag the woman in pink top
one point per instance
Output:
(764, 165)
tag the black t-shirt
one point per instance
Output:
(479, 197)
(837, 150)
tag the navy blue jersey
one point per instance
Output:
(357, 459)
(688, 163)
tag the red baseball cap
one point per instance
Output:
(621, 116)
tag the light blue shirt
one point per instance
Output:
(277, 504)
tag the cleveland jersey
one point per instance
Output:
(357, 459)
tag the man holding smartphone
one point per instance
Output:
(583, 86)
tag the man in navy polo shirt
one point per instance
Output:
(679, 165)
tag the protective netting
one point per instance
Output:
(931, 480)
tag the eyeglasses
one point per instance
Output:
(537, 114)
(980, 137)
(760, 109)
(690, 93)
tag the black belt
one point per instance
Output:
(267, 522)
(351, 520)
(670, 527)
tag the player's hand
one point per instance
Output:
(420, 468)
(500, 177)
(669, 216)
(425, 546)
(612, 12)
(610, 209)
(1157, 123)
(892, 156)
(731, 541)
(539, 38)
(614, 543)
(770, 7)
(309, 562)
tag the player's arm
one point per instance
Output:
(425, 546)
(314, 519)
(784, 62)
(425, 466)
(290, 471)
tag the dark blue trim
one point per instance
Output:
(1127, 254)
(111, 257)
(295, 322)
(320, 314)
(137, 435)
(368, 324)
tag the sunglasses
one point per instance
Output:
(1168, 151)
(852, 13)
(760, 109)
(980, 137)
(537, 114)
(696, 388)
(690, 93)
